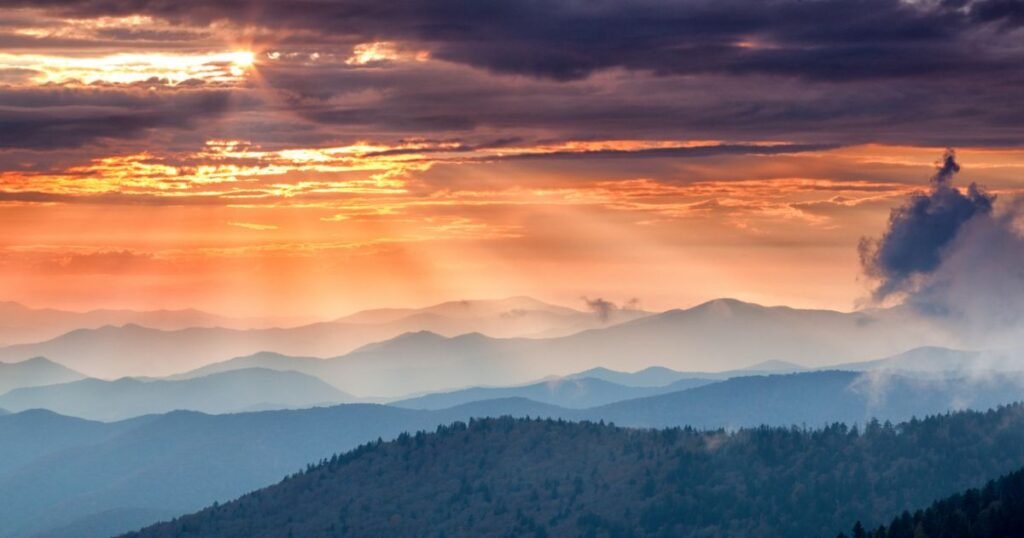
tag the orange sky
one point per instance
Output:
(301, 241)
(256, 172)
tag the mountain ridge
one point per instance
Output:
(34, 372)
(111, 351)
(684, 340)
(546, 477)
(232, 391)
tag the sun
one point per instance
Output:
(241, 61)
(244, 58)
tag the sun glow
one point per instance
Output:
(132, 68)
(368, 53)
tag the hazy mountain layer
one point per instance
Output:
(20, 324)
(34, 373)
(811, 399)
(565, 392)
(502, 318)
(659, 376)
(239, 390)
(137, 350)
(702, 339)
(30, 435)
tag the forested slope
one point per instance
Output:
(995, 511)
(542, 477)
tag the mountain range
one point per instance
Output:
(701, 339)
(116, 435)
(134, 349)
(270, 381)
(595, 387)
(34, 372)
(108, 469)
(811, 399)
(20, 324)
(238, 390)
(502, 318)
(572, 393)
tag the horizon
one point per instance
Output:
(581, 305)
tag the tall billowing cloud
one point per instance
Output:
(957, 257)
(920, 230)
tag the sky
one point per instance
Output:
(315, 157)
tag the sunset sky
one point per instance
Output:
(315, 157)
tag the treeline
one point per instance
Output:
(516, 477)
(995, 511)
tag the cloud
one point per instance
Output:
(920, 230)
(822, 72)
(672, 152)
(956, 257)
(105, 262)
(253, 226)
(1008, 13)
(602, 308)
(441, 99)
(825, 39)
(605, 309)
(979, 285)
(54, 117)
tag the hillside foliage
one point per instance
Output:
(513, 477)
(994, 511)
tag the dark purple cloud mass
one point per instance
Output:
(820, 39)
(831, 72)
(55, 117)
(920, 230)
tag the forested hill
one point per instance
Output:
(541, 477)
(995, 511)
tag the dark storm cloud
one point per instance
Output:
(819, 40)
(110, 40)
(920, 231)
(662, 153)
(829, 72)
(957, 258)
(1008, 12)
(437, 99)
(49, 118)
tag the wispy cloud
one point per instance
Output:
(253, 226)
